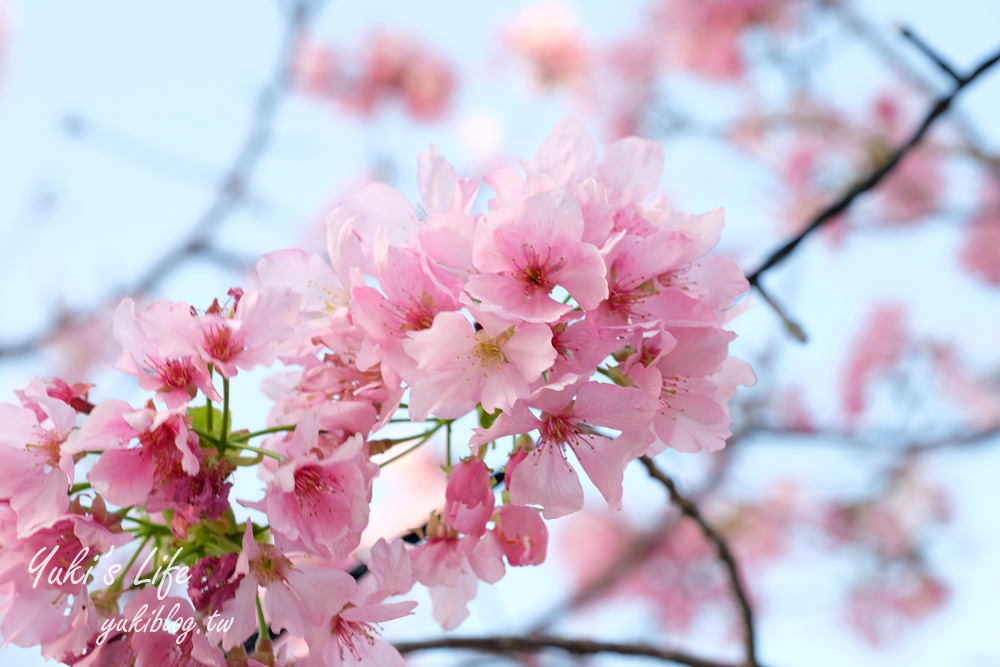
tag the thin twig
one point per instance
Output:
(931, 54)
(229, 193)
(690, 509)
(940, 106)
(509, 646)
(793, 328)
(639, 548)
(881, 46)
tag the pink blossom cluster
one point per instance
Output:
(578, 314)
(391, 67)
(900, 586)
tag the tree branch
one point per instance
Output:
(940, 106)
(639, 548)
(507, 646)
(879, 45)
(228, 194)
(724, 553)
(931, 54)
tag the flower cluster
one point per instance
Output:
(392, 67)
(579, 315)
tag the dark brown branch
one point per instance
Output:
(228, 194)
(876, 444)
(881, 47)
(639, 548)
(940, 106)
(931, 54)
(793, 328)
(509, 646)
(689, 509)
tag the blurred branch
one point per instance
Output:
(690, 509)
(509, 646)
(880, 46)
(229, 192)
(830, 213)
(850, 440)
(931, 54)
(80, 128)
(793, 328)
(639, 548)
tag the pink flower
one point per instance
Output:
(32, 451)
(74, 395)
(408, 301)
(636, 294)
(459, 365)
(569, 417)
(690, 375)
(391, 568)
(523, 254)
(250, 335)
(43, 597)
(469, 498)
(374, 210)
(127, 475)
(522, 535)
(349, 631)
(185, 647)
(451, 567)
(316, 503)
(158, 348)
(322, 297)
(295, 595)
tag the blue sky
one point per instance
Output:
(180, 78)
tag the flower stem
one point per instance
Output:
(225, 411)
(117, 584)
(447, 430)
(261, 623)
(243, 437)
(259, 450)
(424, 437)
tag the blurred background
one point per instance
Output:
(158, 150)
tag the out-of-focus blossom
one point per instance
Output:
(876, 349)
(391, 67)
(879, 610)
(705, 36)
(980, 253)
(547, 36)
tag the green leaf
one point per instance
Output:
(486, 419)
(199, 415)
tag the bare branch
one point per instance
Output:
(724, 553)
(639, 547)
(940, 106)
(509, 646)
(880, 46)
(875, 444)
(228, 194)
(793, 328)
(931, 54)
